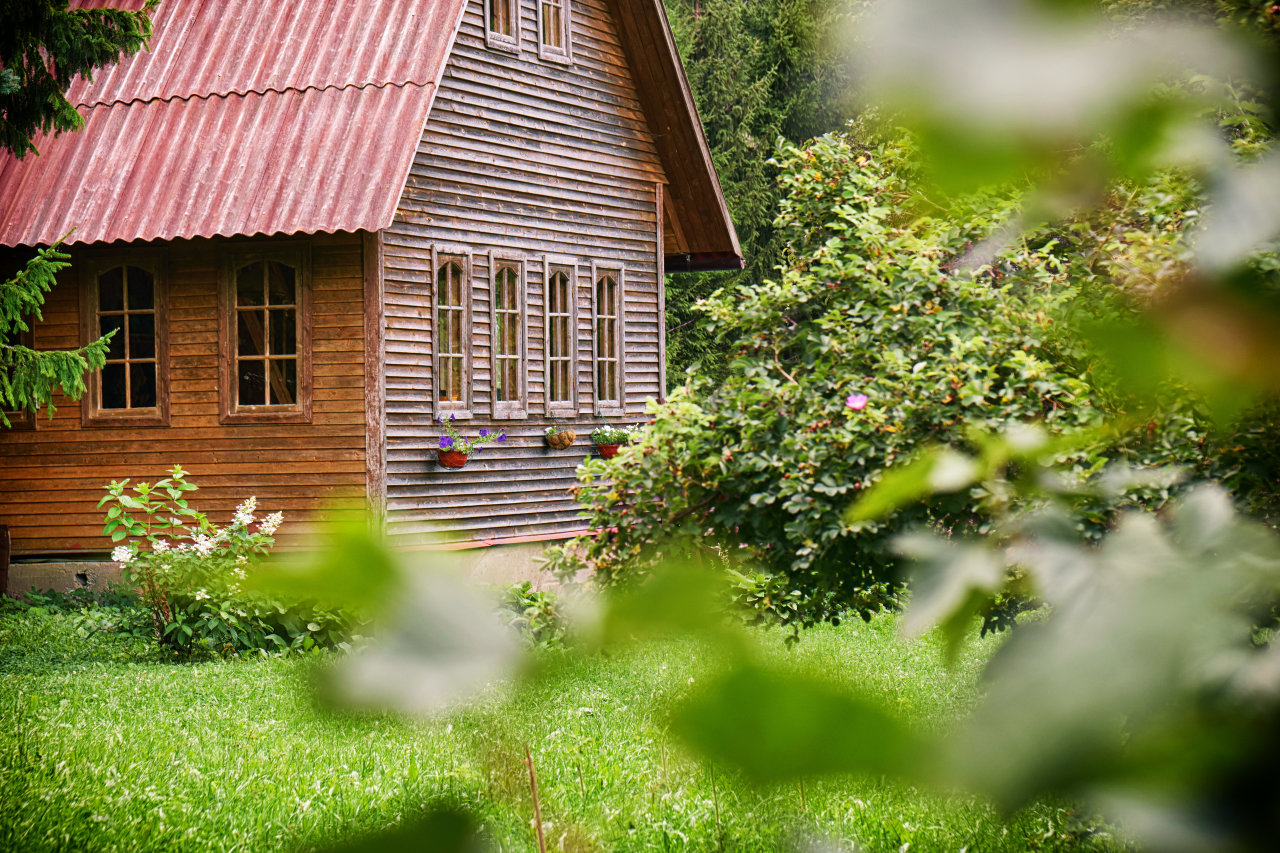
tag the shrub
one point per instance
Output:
(879, 337)
(191, 574)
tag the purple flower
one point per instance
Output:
(450, 418)
(856, 401)
(484, 431)
(502, 437)
(445, 442)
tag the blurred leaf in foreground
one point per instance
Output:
(773, 726)
(444, 830)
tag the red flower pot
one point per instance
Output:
(608, 451)
(451, 458)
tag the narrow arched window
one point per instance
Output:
(507, 339)
(561, 341)
(607, 321)
(451, 333)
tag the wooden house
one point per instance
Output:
(321, 225)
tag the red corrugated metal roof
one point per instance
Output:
(244, 117)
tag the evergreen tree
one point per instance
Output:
(760, 70)
(44, 46)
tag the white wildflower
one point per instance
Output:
(201, 595)
(159, 546)
(183, 546)
(270, 523)
(203, 544)
(122, 554)
(242, 560)
(244, 512)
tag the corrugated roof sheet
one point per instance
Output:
(244, 117)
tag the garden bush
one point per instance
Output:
(192, 575)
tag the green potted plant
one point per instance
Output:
(557, 438)
(455, 450)
(608, 439)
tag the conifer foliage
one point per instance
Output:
(28, 378)
(44, 46)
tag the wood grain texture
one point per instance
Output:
(542, 163)
(51, 477)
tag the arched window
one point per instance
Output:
(452, 334)
(561, 341)
(507, 339)
(125, 297)
(266, 337)
(607, 321)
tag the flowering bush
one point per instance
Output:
(191, 574)
(452, 440)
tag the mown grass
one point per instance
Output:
(105, 747)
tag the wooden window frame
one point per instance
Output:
(94, 265)
(618, 407)
(458, 408)
(517, 409)
(297, 255)
(550, 52)
(495, 40)
(563, 408)
(21, 420)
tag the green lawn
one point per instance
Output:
(105, 748)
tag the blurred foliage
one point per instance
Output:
(759, 70)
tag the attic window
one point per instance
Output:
(553, 30)
(266, 337)
(502, 24)
(129, 299)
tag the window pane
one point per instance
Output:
(251, 386)
(284, 381)
(250, 333)
(281, 284)
(142, 385)
(111, 290)
(249, 284)
(114, 395)
(284, 332)
(105, 324)
(141, 290)
(142, 335)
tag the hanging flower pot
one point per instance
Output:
(559, 439)
(451, 458)
(608, 451)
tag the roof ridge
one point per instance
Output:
(251, 91)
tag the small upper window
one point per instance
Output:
(553, 30)
(502, 24)
(266, 338)
(508, 340)
(126, 299)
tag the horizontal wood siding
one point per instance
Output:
(51, 478)
(526, 159)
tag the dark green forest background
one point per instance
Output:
(760, 70)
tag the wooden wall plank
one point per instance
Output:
(527, 159)
(51, 478)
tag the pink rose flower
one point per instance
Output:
(856, 401)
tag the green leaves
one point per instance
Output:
(775, 725)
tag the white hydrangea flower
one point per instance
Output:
(203, 544)
(271, 523)
(201, 595)
(160, 546)
(244, 512)
(122, 554)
